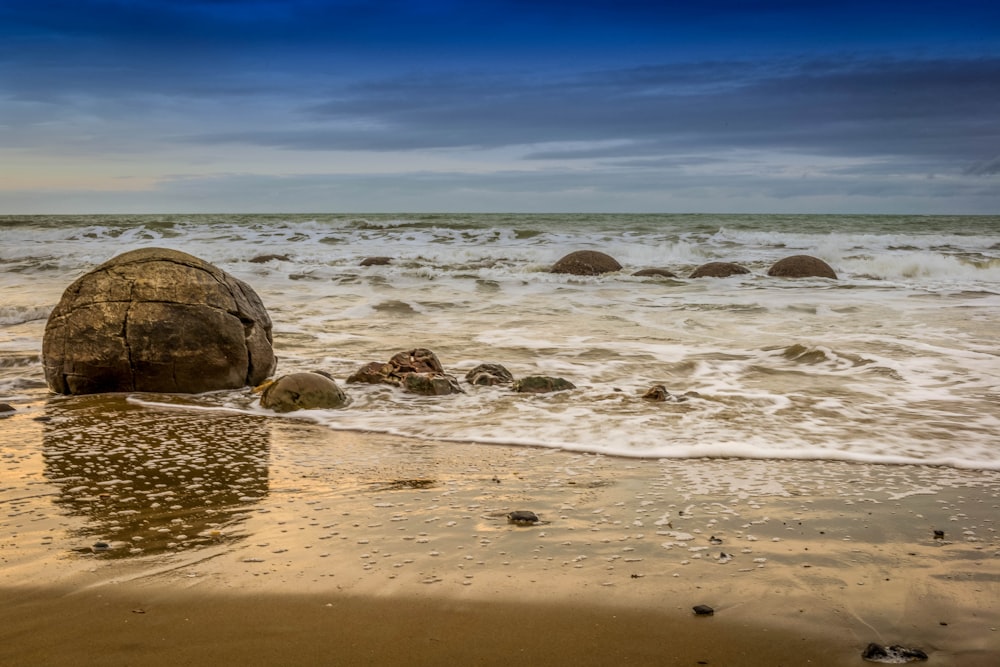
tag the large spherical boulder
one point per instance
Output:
(157, 320)
(801, 266)
(586, 263)
(303, 391)
(719, 270)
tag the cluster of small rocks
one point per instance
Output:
(417, 371)
(593, 263)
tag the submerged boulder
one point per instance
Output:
(801, 266)
(157, 320)
(264, 259)
(374, 372)
(586, 263)
(654, 273)
(541, 384)
(431, 384)
(719, 270)
(489, 375)
(303, 391)
(657, 393)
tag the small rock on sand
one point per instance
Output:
(894, 655)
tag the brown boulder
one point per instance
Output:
(654, 273)
(157, 320)
(541, 384)
(719, 270)
(801, 266)
(303, 391)
(431, 384)
(657, 393)
(419, 360)
(586, 263)
(374, 372)
(489, 375)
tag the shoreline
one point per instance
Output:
(408, 543)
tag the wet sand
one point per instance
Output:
(260, 541)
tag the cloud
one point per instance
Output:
(985, 168)
(917, 108)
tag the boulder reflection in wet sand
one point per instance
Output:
(152, 481)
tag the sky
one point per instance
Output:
(311, 106)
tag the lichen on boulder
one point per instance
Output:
(157, 320)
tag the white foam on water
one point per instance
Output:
(895, 362)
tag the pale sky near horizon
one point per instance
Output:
(158, 106)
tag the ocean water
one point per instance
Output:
(896, 361)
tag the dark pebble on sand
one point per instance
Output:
(938, 534)
(523, 518)
(703, 610)
(892, 654)
(6, 408)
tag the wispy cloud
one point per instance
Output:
(917, 108)
(985, 168)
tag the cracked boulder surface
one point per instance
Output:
(157, 320)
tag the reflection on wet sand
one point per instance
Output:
(152, 481)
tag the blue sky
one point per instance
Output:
(128, 106)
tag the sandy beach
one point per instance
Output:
(326, 547)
